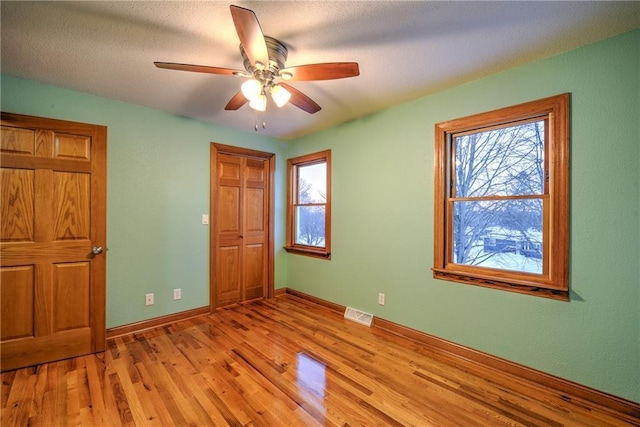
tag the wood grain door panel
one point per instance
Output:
(53, 211)
(72, 198)
(254, 271)
(18, 296)
(18, 189)
(228, 275)
(71, 287)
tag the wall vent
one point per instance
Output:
(358, 316)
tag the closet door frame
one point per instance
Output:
(270, 158)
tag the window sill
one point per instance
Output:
(511, 286)
(308, 252)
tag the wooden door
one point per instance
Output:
(241, 226)
(53, 207)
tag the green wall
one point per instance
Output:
(382, 222)
(157, 191)
(158, 187)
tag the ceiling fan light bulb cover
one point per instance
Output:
(280, 95)
(251, 89)
(259, 103)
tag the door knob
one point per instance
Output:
(96, 250)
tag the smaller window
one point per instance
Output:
(309, 205)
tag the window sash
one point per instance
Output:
(294, 245)
(516, 274)
(452, 140)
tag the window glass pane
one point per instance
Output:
(501, 162)
(310, 221)
(505, 234)
(312, 183)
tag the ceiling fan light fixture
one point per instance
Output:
(259, 103)
(280, 95)
(251, 89)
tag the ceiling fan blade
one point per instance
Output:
(236, 102)
(197, 68)
(250, 34)
(325, 71)
(301, 100)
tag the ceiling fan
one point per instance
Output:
(264, 68)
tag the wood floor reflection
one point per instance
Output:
(281, 362)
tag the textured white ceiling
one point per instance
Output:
(405, 49)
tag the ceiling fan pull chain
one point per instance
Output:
(259, 115)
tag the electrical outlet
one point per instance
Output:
(177, 294)
(148, 299)
(381, 298)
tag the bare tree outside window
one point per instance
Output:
(310, 210)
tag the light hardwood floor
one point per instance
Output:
(280, 362)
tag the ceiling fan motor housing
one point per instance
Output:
(277, 58)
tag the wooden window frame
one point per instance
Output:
(554, 280)
(292, 168)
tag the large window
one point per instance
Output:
(309, 205)
(501, 199)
